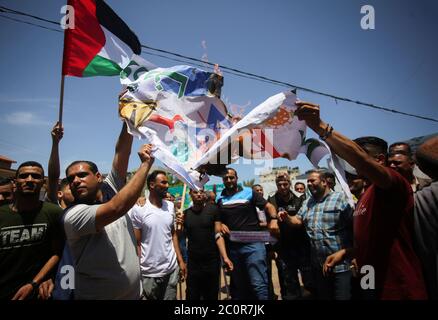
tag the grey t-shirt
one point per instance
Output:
(426, 235)
(106, 262)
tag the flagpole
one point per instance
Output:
(61, 94)
(61, 100)
(179, 228)
(183, 198)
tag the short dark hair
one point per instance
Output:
(300, 183)
(230, 169)
(257, 185)
(329, 175)
(282, 176)
(320, 172)
(153, 176)
(64, 183)
(373, 145)
(400, 143)
(6, 181)
(91, 165)
(29, 164)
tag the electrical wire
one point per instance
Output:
(29, 23)
(225, 69)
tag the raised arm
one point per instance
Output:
(54, 167)
(128, 195)
(344, 147)
(122, 152)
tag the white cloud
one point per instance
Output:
(25, 118)
(26, 102)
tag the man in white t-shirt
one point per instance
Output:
(161, 261)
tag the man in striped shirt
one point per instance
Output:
(237, 212)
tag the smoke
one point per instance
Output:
(205, 54)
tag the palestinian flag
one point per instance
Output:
(100, 44)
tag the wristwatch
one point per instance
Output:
(35, 285)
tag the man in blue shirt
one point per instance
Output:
(237, 212)
(327, 217)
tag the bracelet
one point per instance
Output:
(274, 218)
(218, 235)
(328, 131)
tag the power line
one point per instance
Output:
(229, 70)
(29, 23)
(7, 10)
(202, 66)
(370, 105)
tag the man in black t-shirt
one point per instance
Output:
(30, 236)
(203, 249)
(293, 247)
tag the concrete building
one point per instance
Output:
(270, 175)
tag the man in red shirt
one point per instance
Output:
(383, 219)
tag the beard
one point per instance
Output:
(29, 192)
(316, 192)
(162, 194)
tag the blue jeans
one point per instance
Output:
(250, 274)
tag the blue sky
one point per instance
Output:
(315, 44)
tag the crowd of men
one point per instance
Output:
(122, 246)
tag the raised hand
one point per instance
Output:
(308, 112)
(57, 132)
(145, 154)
